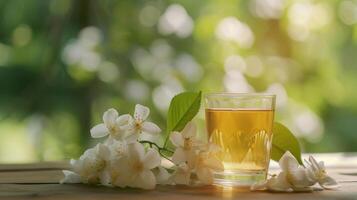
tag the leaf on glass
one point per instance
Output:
(284, 140)
(183, 108)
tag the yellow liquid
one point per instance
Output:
(244, 137)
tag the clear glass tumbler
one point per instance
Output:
(241, 124)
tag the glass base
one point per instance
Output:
(239, 178)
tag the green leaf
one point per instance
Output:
(183, 108)
(284, 140)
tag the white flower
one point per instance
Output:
(139, 125)
(113, 125)
(279, 183)
(298, 178)
(118, 149)
(91, 166)
(206, 164)
(185, 143)
(295, 174)
(193, 155)
(182, 174)
(292, 177)
(136, 167)
(117, 175)
(70, 177)
(162, 176)
(316, 171)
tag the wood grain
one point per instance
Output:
(36, 177)
(35, 166)
(40, 181)
(79, 191)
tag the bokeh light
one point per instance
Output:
(63, 63)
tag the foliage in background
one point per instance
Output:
(62, 61)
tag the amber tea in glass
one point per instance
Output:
(241, 124)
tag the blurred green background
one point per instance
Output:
(64, 62)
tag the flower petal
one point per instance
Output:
(214, 164)
(190, 130)
(151, 128)
(191, 158)
(89, 153)
(176, 139)
(132, 138)
(121, 175)
(104, 178)
(279, 183)
(152, 159)
(118, 149)
(70, 177)
(72, 162)
(98, 131)
(141, 112)
(162, 176)
(131, 129)
(182, 175)
(123, 121)
(299, 178)
(149, 137)
(179, 156)
(136, 151)
(205, 175)
(329, 183)
(77, 166)
(310, 172)
(322, 165)
(110, 116)
(181, 179)
(145, 180)
(103, 151)
(288, 162)
(122, 180)
(314, 165)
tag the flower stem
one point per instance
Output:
(160, 149)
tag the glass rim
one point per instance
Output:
(237, 94)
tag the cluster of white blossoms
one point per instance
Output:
(123, 161)
(295, 177)
(193, 156)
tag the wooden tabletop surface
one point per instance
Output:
(40, 181)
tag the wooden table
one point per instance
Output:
(40, 181)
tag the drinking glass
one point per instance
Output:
(241, 124)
